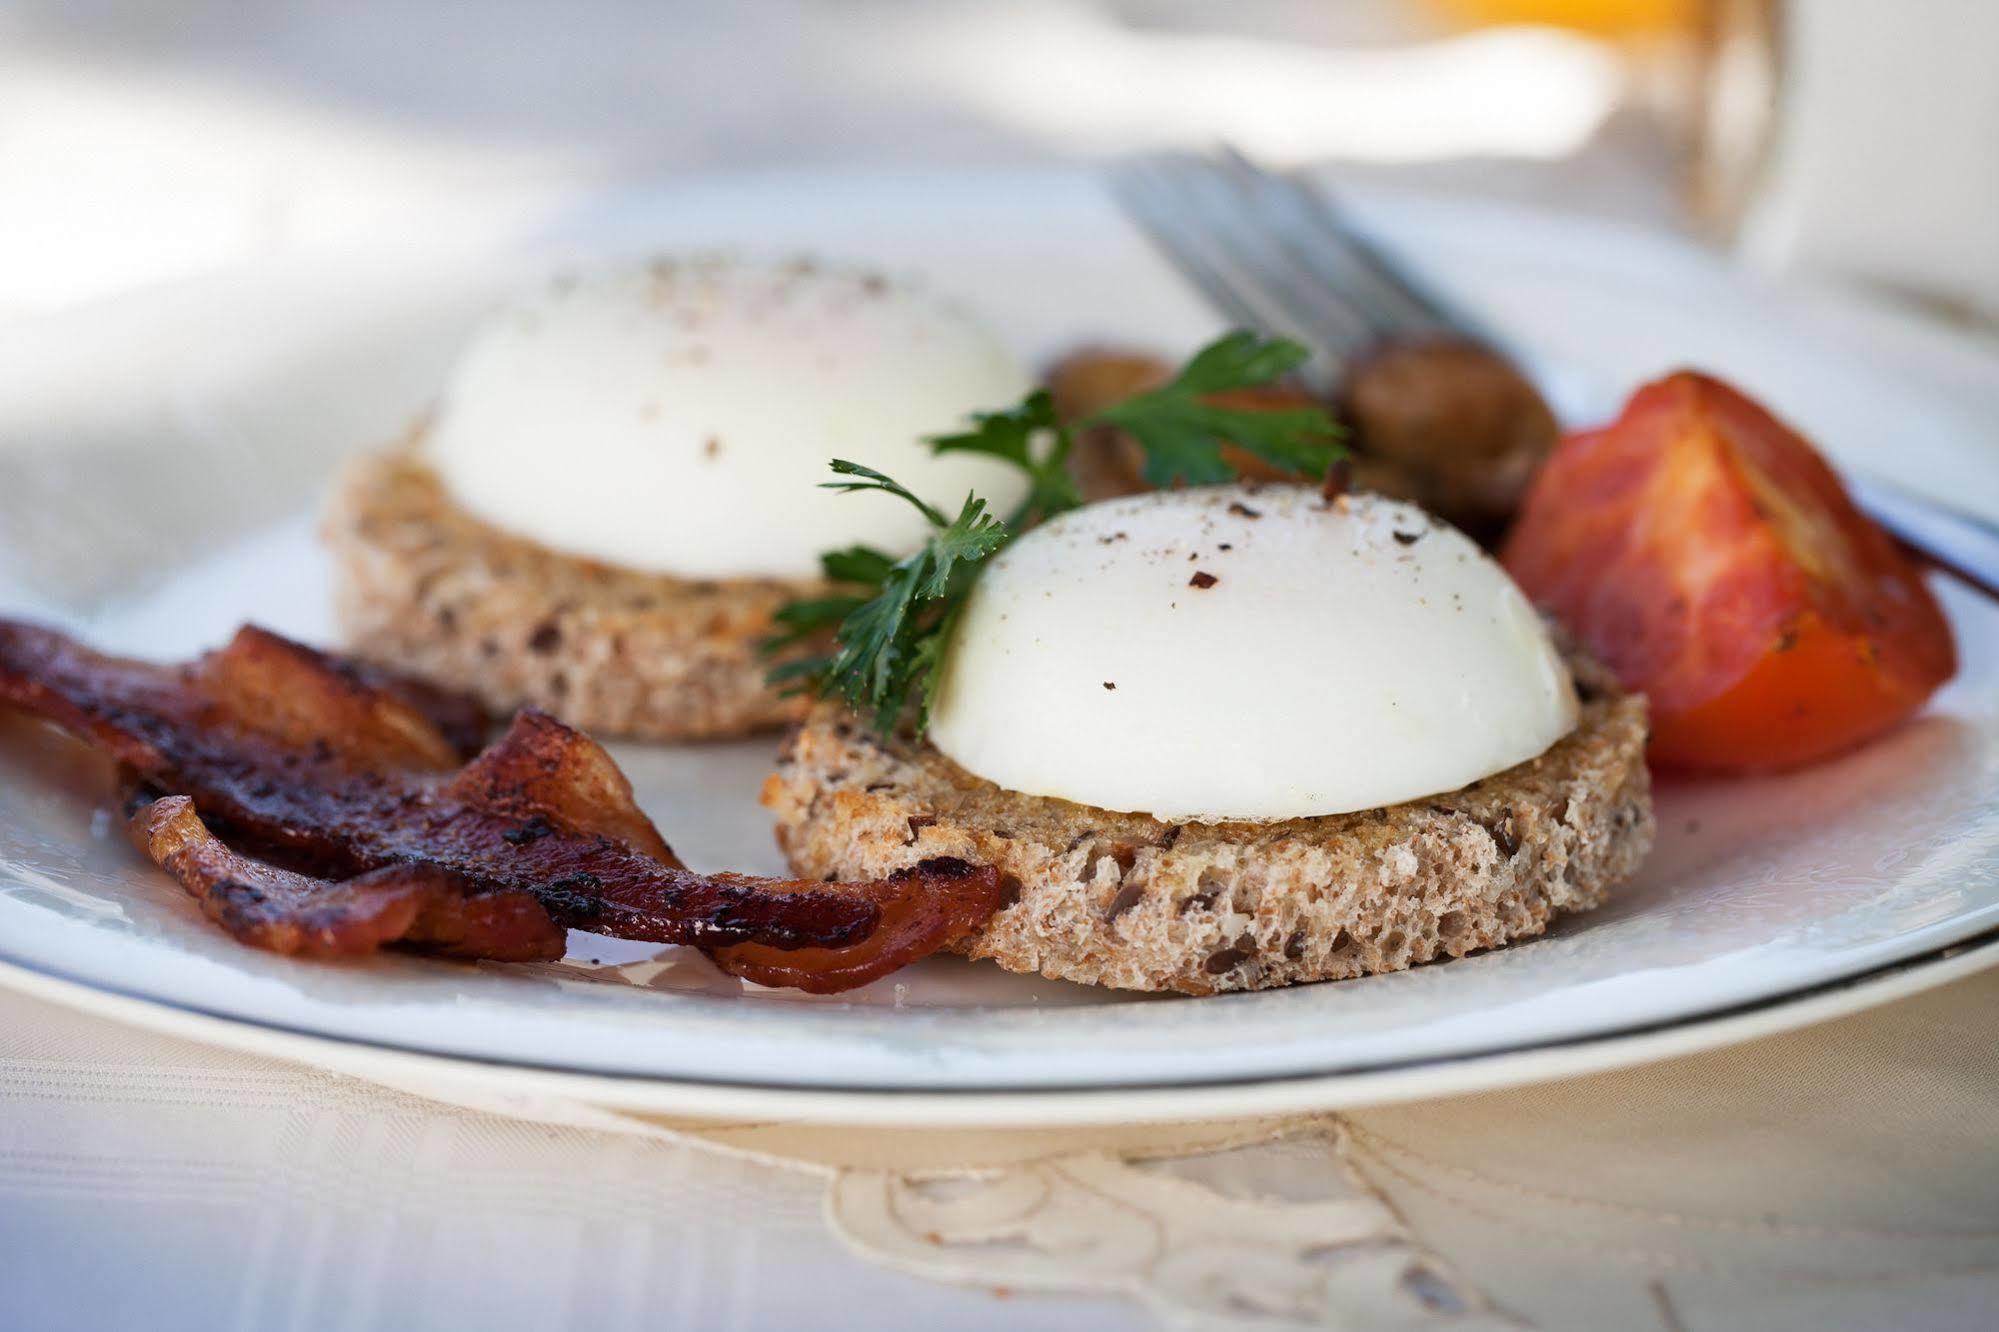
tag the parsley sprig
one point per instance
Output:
(1182, 431)
(890, 632)
(1016, 435)
(888, 642)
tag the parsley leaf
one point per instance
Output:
(801, 621)
(1012, 434)
(857, 564)
(870, 479)
(887, 644)
(1182, 433)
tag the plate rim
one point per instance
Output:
(447, 1077)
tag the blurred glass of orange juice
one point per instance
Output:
(1607, 17)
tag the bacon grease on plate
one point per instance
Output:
(316, 808)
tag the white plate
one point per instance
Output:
(159, 459)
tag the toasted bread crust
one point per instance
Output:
(425, 586)
(1127, 901)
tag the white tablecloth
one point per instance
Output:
(150, 1183)
(1844, 1176)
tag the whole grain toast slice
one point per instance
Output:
(428, 588)
(1128, 901)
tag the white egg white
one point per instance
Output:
(1243, 652)
(678, 417)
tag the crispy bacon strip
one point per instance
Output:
(940, 898)
(342, 785)
(292, 697)
(266, 907)
(258, 667)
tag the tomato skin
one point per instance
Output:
(1702, 549)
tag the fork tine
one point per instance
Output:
(1331, 255)
(1347, 258)
(1196, 220)
(1342, 319)
(1274, 254)
(1154, 197)
(1180, 246)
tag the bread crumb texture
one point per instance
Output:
(1128, 901)
(424, 586)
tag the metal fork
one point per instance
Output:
(1277, 256)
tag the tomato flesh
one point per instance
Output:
(1707, 554)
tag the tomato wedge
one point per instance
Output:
(1707, 554)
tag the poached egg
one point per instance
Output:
(1245, 652)
(677, 418)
